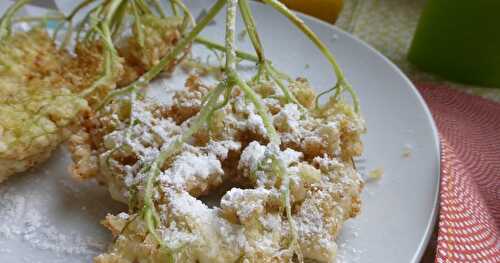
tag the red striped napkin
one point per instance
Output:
(469, 221)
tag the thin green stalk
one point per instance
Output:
(308, 32)
(6, 20)
(233, 74)
(113, 6)
(78, 8)
(69, 19)
(138, 25)
(109, 60)
(336, 87)
(149, 206)
(230, 40)
(85, 20)
(156, 69)
(246, 13)
(67, 37)
(274, 138)
(174, 9)
(275, 76)
(321, 46)
(219, 47)
(118, 19)
(257, 44)
(156, 4)
(39, 18)
(214, 10)
(280, 170)
(143, 7)
(150, 214)
(188, 17)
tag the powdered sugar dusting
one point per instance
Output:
(192, 168)
(43, 220)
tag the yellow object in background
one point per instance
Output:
(327, 10)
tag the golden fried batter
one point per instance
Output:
(116, 145)
(37, 105)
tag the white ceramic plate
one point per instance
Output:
(45, 216)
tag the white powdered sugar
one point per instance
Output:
(246, 203)
(252, 156)
(253, 121)
(192, 168)
(255, 124)
(222, 148)
(24, 222)
(290, 115)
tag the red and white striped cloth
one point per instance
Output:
(469, 220)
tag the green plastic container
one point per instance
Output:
(459, 40)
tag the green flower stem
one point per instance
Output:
(118, 19)
(188, 17)
(309, 33)
(110, 57)
(230, 40)
(111, 9)
(138, 25)
(246, 13)
(321, 46)
(276, 77)
(174, 9)
(156, 69)
(78, 8)
(213, 45)
(85, 20)
(280, 171)
(257, 44)
(56, 17)
(234, 77)
(262, 110)
(158, 8)
(6, 20)
(274, 138)
(67, 37)
(150, 214)
(143, 7)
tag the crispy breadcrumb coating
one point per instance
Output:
(37, 105)
(42, 86)
(116, 145)
(161, 36)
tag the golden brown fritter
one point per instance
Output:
(37, 104)
(116, 146)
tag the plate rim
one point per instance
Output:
(431, 222)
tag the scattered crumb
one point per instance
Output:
(376, 174)
(307, 66)
(407, 151)
(22, 221)
(335, 37)
(346, 252)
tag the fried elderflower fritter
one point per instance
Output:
(116, 145)
(37, 105)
